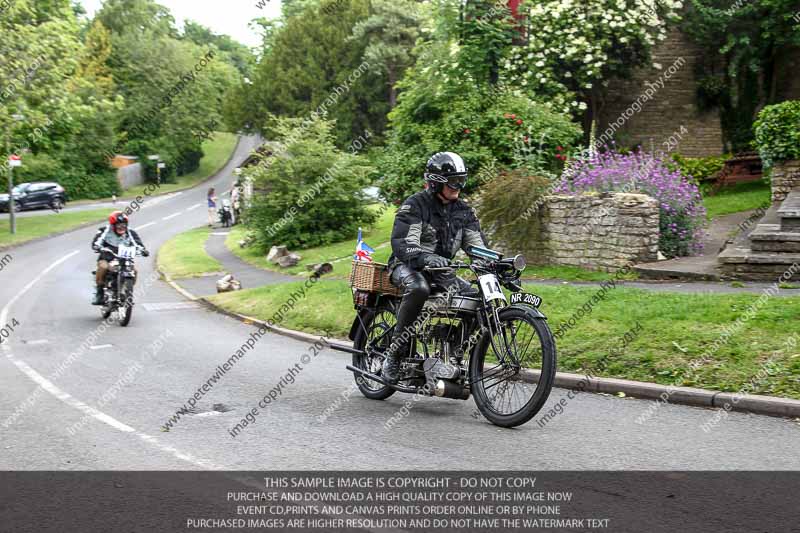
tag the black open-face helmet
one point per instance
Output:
(446, 168)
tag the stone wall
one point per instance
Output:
(785, 177)
(598, 232)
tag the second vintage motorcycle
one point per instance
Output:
(119, 283)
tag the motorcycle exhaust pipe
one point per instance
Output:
(448, 389)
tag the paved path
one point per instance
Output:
(703, 266)
(246, 273)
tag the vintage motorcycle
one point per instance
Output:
(120, 279)
(499, 350)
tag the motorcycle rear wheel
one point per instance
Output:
(375, 333)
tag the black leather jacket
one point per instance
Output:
(424, 225)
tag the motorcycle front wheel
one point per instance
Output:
(512, 370)
(126, 303)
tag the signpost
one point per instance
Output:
(159, 166)
(13, 161)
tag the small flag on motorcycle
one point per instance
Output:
(363, 250)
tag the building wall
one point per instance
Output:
(672, 107)
(130, 176)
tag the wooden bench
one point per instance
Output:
(741, 168)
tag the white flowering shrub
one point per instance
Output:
(575, 45)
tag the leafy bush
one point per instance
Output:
(699, 168)
(508, 208)
(77, 181)
(681, 205)
(308, 193)
(777, 132)
(439, 111)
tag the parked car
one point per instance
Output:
(37, 194)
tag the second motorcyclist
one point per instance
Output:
(115, 234)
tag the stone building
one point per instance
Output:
(675, 103)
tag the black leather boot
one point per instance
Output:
(98, 297)
(391, 363)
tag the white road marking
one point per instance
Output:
(38, 341)
(101, 346)
(220, 234)
(140, 228)
(209, 413)
(194, 207)
(71, 401)
(172, 216)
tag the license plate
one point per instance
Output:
(525, 298)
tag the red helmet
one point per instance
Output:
(117, 216)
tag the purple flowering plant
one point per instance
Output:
(682, 214)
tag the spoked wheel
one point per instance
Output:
(376, 334)
(512, 371)
(125, 309)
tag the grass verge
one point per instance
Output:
(29, 228)
(185, 256)
(676, 329)
(741, 197)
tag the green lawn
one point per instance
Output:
(40, 226)
(184, 255)
(675, 329)
(742, 197)
(569, 273)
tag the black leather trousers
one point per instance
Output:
(416, 287)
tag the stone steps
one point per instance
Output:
(772, 238)
(771, 249)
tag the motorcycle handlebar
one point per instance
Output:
(139, 250)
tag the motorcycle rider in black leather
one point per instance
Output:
(429, 229)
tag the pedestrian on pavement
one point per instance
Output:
(212, 207)
(235, 199)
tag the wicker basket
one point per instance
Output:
(372, 277)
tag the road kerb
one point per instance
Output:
(761, 405)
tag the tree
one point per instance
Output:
(310, 66)
(236, 53)
(390, 33)
(314, 192)
(746, 44)
(173, 88)
(47, 77)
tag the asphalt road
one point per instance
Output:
(104, 409)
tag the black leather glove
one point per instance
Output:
(96, 248)
(145, 253)
(435, 261)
